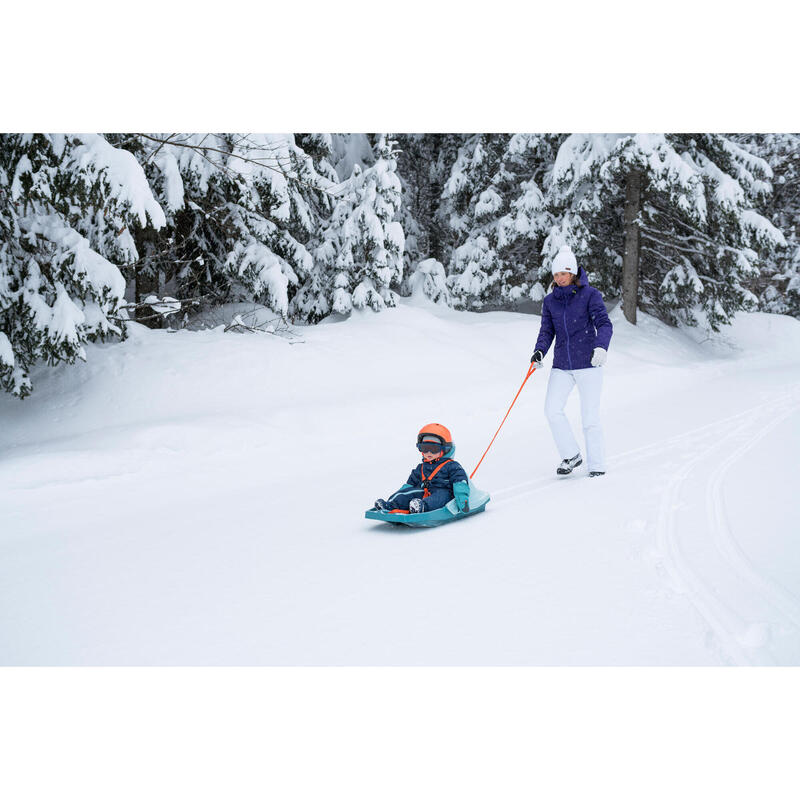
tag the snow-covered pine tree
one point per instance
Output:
(279, 212)
(499, 214)
(310, 298)
(668, 220)
(424, 163)
(583, 217)
(472, 204)
(521, 232)
(361, 253)
(242, 210)
(778, 286)
(408, 214)
(70, 206)
(429, 280)
(349, 149)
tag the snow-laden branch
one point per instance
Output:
(260, 162)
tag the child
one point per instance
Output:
(435, 481)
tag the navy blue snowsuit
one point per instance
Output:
(441, 487)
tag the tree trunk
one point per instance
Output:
(630, 261)
(146, 275)
(146, 284)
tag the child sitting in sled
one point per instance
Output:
(436, 481)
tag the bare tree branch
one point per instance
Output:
(155, 152)
(280, 169)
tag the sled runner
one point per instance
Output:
(440, 516)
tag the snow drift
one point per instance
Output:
(197, 498)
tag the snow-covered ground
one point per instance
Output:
(198, 498)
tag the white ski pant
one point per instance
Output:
(590, 384)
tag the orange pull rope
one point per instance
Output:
(530, 372)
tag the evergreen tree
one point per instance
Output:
(361, 254)
(242, 211)
(429, 280)
(778, 285)
(685, 226)
(693, 238)
(352, 149)
(472, 204)
(424, 164)
(499, 213)
(70, 207)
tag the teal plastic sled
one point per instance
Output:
(441, 516)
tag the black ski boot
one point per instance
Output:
(569, 464)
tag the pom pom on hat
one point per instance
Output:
(565, 261)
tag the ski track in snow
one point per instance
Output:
(727, 611)
(753, 637)
(742, 639)
(667, 579)
(711, 430)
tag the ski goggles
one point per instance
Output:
(430, 447)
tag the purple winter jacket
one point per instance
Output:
(576, 317)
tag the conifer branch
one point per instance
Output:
(202, 149)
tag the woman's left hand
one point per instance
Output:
(598, 357)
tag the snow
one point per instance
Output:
(124, 174)
(762, 227)
(198, 497)
(351, 150)
(395, 236)
(66, 318)
(580, 153)
(748, 165)
(271, 273)
(24, 166)
(6, 351)
(362, 239)
(458, 175)
(98, 272)
(429, 282)
(163, 305)
(173, 182)
(488, 203)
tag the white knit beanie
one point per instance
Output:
(565, 261)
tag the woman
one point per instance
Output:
(574, 314)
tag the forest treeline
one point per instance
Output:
(100, 229)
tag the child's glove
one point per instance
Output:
(461, 494)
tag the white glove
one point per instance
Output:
(598, 357)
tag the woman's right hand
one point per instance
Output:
(537, 357)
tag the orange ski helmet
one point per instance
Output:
(434, 431)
